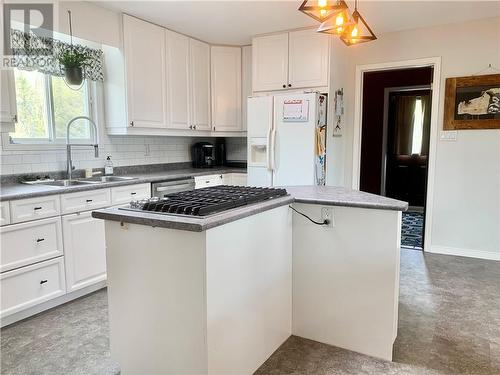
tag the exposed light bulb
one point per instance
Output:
(322, 12)
(339, 20)
(322, 3)
(354, 32)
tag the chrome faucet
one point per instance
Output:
(69, 162)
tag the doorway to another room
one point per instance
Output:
(396, 119)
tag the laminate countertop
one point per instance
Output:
(321, 195)
(12, 191)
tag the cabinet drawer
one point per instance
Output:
(124, 194)
(208, 180)
(34, 208)
(85, 201)
(31, 285)
(239, 179)
(4, 213)
(31, 242)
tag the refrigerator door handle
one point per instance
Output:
(268, 150)
(272, 151)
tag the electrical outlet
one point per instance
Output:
(327, 214)
(448, 135)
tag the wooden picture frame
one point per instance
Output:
(472, 102)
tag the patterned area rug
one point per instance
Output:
(411, 232)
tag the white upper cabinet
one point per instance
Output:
(199, 63)
(308, 59)
(296, 59)
(8, 110)
(144, 47)
(177, 80)
(167, 84)
(270, 62)
(246, 82)
(226, 88)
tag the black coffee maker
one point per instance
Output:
(203, 155)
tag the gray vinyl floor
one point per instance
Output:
(449, 323)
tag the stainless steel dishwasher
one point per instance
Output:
(160, 189)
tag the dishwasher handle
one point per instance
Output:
(173, 187)
(161, 188)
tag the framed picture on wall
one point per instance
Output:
(472, 102)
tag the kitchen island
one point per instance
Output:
(217, 295)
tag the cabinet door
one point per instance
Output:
(308, 59)
(84, 250)
(246, 82)
(8, 110)
(270, 62)
(226, 88)
(4, 213)
(199, 54)
(177, 80)
(144, 45)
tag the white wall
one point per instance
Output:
(466, 216)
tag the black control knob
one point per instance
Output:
(284, 86)
(289, 85)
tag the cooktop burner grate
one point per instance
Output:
(207, 201)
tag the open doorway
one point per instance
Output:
(396, 118)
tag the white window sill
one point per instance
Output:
(7, 146)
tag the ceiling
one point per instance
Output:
(234, 22)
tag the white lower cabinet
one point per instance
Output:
(238, 179)
(31, 242)
(208, 180)
(234, 179)
(28, 286)
(84, 250)
(85, 200)
(4, 213)
(34, 208)
(125, 194)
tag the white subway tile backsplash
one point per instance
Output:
(123, 151)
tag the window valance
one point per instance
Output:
(33, 52)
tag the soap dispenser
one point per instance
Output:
(108, 166)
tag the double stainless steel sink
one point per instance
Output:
(87, 181)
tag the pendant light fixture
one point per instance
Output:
(338, 23)
(322, 10)
(358, 31)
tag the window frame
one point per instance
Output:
(53, 143)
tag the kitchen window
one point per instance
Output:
(45, 104)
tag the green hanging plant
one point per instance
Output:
(73, 63)
(73, 59)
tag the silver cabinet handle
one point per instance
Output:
(131, 123)
(194, 127)
(14, 118)
(43, 281)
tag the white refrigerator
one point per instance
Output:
(286, 139)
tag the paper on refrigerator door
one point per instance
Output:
(295, 110)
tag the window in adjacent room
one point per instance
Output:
(45, 104)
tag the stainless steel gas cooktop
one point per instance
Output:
(206, 201)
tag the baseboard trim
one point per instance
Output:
(469, 253)
(37, 309)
